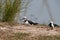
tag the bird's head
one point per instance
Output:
(24, 18)
(51, 22)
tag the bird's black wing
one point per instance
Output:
(49, 25)
(56, 25)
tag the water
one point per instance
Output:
(39, 14)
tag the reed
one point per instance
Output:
(11, 8)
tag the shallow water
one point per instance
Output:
(38, 13)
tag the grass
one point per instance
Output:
(11, 8)
(25, 36)
(49, 37)
(10, 35)
(21, 36)
(14, 36)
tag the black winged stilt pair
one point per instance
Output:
(27, 21)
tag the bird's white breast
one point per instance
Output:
(26, 22)
(52, 25)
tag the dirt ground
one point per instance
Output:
(7, 31)
(31, 29)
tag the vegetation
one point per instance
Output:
(25, 36)
(14, 36)
(49, 37)
(10, 10)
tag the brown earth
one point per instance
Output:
(31, 29)
(7, 31)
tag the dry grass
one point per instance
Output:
(13, 36)
(25, 36)
(26, 32)
(49, 37)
